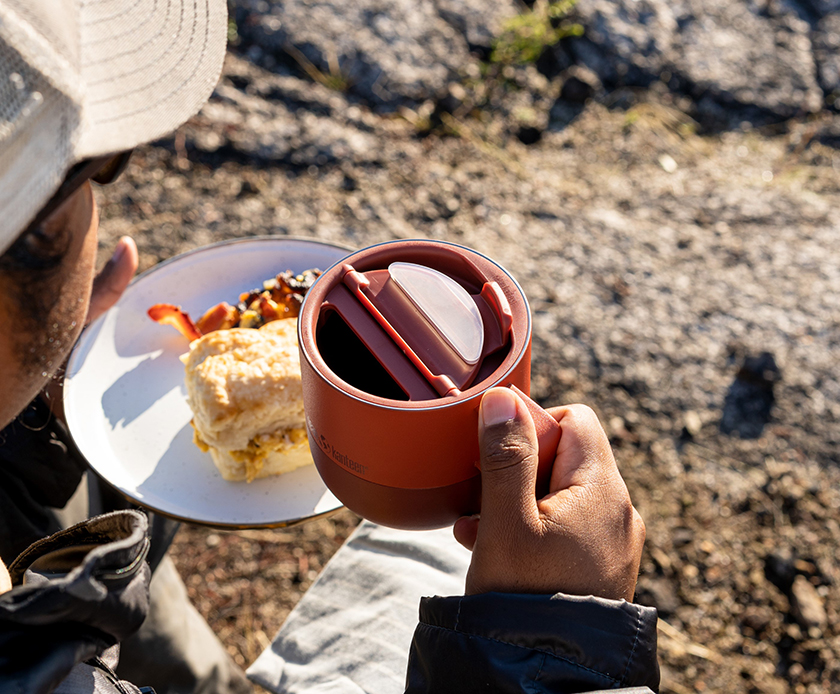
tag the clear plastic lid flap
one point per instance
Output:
(446, 305)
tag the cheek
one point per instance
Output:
(36, 338)
(41, 334)
(75, 295)
(66, 317)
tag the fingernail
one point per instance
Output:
(498, 406)
(119, 251)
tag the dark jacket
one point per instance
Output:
(40, 469)
(75, 595)
(558, 644)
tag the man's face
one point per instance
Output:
(43, 303)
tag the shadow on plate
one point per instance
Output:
(185, 483)
(136, 391)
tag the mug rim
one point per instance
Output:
(309, 351)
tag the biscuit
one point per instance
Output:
(244, 388)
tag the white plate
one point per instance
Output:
(125, 398)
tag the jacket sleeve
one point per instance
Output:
(508, 643)
(75, 595)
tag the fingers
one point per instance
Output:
(627, 565)
(584, 453)
(466, 531)
(583, 538)
(111, 282)
(508, 447)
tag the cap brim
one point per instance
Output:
(146, 66)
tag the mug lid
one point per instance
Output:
(429, 333)
(445, 305)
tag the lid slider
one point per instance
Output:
(360, 285)
(422, 325)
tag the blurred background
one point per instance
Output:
(662, 178)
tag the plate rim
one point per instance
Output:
(247, 240)
(72, 364)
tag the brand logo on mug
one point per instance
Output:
(330, 450)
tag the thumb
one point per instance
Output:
(508, 446)
(111, 282)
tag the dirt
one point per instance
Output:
(246, 583)
(686, 287)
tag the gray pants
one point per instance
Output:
(175, 651)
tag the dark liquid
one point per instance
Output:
(352, 362)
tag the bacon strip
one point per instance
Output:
(169, 314)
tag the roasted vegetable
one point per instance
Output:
(221, 317)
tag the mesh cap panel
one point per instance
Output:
(36, 127)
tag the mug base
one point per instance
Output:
(404, 509)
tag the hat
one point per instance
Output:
(83, 78)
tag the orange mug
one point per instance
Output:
(398, 343)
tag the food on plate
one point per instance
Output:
(280, 297)
(245, 393)
(243, 379)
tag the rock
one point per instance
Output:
(767, 684)
(735, 59)
(576, 90)
(744, 57)
(658, 593)
(275, 118)
(682, 536)
(779, 569)
(386, 52)
(625, 42)
(827, 54)
(829, 133)
(478, 22)
(757, 618)
(692, 423)
(579, 85)
(563, 113)
(822, 8)
(806, 605)
(529, 135)
(747, 407)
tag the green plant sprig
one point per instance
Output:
(524, 37)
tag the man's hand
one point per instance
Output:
(583, 538)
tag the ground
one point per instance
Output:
(685, 286)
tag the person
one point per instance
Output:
(80, 84)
